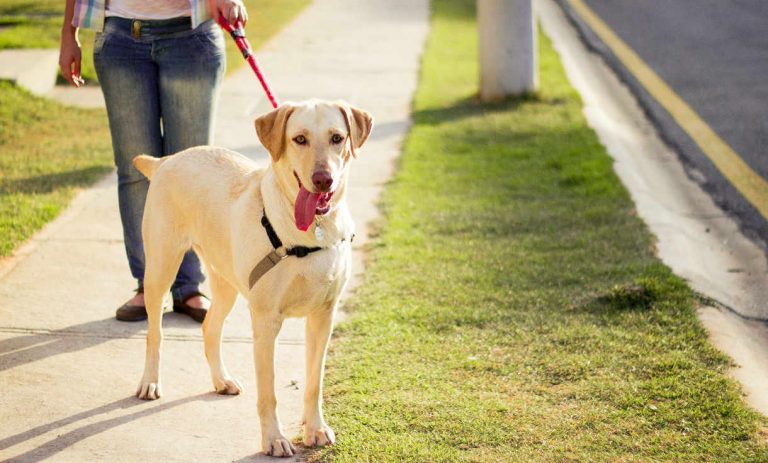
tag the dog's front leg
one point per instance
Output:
(318, 330)
(265, 331)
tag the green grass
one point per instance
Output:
(37, 24)
(514, 310)
(48, 151)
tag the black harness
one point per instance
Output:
(279, 252)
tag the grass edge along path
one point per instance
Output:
(513, 309)
(47, 153)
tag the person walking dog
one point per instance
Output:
(160, 65)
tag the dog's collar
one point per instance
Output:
(279, 252)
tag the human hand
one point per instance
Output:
(231, 10)
(70, 56)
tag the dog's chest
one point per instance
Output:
(313, 282)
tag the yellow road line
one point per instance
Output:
(748, 182)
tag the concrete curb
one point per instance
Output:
(695, 238)
(697, 166)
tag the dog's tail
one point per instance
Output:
(147, 165)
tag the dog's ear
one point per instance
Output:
(359, 125)
(271, 129)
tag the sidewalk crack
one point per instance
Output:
(138, 336)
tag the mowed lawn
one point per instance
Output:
(49, 151)
(514, 309)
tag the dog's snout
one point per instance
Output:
(322, 181)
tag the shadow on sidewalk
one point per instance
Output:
(29, 348)
(263, 458)
(61, 442)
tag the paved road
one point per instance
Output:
(714, 55)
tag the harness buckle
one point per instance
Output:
(277, 254)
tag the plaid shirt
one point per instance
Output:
(89, 14)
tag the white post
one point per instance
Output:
(508, 48)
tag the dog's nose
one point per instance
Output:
(322, 181)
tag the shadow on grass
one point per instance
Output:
(48, 183)
(456, 11)
(8, 21)
(641, 294)
(472, 106)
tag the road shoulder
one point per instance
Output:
(695, 238)
(708, 160)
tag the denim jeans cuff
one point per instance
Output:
(182, 292)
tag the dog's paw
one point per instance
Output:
(319, 436)
(149, 390)
(228, 386)
(279, 447)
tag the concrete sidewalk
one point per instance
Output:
(68, 370)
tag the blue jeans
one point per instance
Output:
(160, 82)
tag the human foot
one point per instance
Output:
(195, 305)
(134, 310)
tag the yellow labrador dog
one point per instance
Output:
(281, 236)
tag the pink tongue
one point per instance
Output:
(306, 204)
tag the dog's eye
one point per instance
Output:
(300, 140)
(336, 139)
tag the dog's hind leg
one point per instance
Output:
(163, 257)
(318, 333)
(223, 297)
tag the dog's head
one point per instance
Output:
(311, 145)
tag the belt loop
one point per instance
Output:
(136, 29)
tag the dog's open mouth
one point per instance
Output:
(310, 204)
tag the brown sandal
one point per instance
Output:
(196, 313)
(132, 313)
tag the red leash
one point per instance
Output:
(238, 35)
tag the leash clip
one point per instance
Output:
(278, 254)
